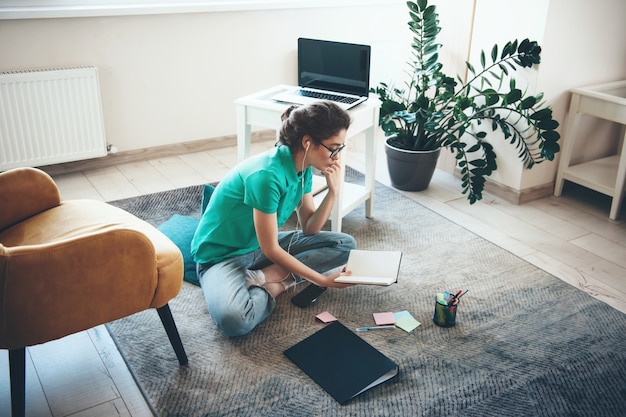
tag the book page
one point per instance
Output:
(372, 267)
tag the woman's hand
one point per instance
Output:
(314, 218)
(329, 280)
(333, 176)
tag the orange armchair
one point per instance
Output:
(67, 266)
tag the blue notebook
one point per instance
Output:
(341, 362)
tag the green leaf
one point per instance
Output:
(429, 13)
(527, 103)
(548, 124)
(514, 46)
(506, 50)
(525, 46)
(431, 48)
(550, 135)
(491, 96)
(545, 113)
(478, 163)
(513, 96)
(432, 61)
(418, 3)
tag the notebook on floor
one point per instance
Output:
(328, 70)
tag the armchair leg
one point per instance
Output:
(17, 374)
(172, 333)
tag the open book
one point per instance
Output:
(372, 267)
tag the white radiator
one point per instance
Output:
(50, 116)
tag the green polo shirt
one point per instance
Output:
(268, 182)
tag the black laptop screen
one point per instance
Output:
(335, 66)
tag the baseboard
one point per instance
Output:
(515, 196)
(518, 196)
(182, 148)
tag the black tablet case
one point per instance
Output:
(340, 361)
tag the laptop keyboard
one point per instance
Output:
(326, 96)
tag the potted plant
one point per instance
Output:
(437, 111)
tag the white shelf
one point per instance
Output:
(599, 175)
(605, 175)
(353, 195)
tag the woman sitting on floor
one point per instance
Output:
(244, 261)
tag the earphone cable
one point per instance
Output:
(300, 203)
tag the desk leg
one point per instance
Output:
(243, 133)
(370, 168)
(618, 192)
(569, 138)
(336, 216)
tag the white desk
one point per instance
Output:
(259, 110)
(605, 175)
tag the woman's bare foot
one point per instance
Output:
(277, 280)
(277, 288)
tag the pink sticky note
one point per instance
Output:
(382, 319)
(326, 317)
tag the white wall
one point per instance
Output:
(168, 79)
(583, 43)
(497, 22)
(173, 78)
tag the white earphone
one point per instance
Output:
(308, 144)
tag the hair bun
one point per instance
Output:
(288, 111)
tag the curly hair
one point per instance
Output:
(320, 120)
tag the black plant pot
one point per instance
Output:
(410, 170)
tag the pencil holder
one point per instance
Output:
(445, 315)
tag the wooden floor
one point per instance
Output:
(570, 237)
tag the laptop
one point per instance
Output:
(329, 70)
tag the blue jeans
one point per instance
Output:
(237, 310)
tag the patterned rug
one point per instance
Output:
(525, 343)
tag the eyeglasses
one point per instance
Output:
(334, 152)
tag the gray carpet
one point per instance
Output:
(525, 343)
